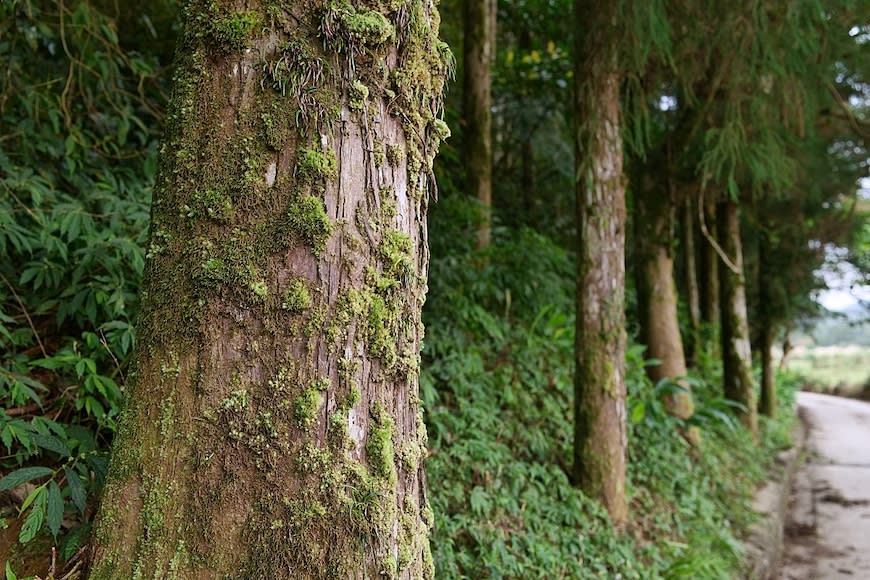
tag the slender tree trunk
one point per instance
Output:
(479, 54)
(600, 436)
(736, 352)
(767, 405)
(527, 151)
(657, 294)
(273, 428)
(692, 290)
(710, 311)
(768, 372)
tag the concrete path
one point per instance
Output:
(828, 529)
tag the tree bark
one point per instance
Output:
(767, 404)
(273, 428)
(736, 352)
(657, 294)
(600, 435)
(693, 297)
(479, 55)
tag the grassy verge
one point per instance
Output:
(498, 391)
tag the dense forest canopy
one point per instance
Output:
(626, 227)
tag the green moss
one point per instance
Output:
(311, 460)
(353, 397)
(306, 406)
(378, 153)
(381, 341)
(233, 32)
(297, 299)
(357, 95)
(345, 27)
(259, 288)
(212, 204)
(236, 402)
(379, 445)
(442, 131)
(347, 370)
(313, 165)
(387, 195)
(308, 221)
(410, 454)
(396, 251)
(395, 155)
(275, 129)
(167, 417)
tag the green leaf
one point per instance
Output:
(76, 489)
(638, 413)
(74, 539)
(54, 509)
(34, 520)
(10, 575)
(23, 475)
(51, 443)
(32, 497)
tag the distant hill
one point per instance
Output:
(851, 326)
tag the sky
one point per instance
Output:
(843, 292)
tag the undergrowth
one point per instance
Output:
(497, 383)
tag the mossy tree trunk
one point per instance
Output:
(600, 433)
(273, 428)
(657, 293)
(479, 54)
(693, 297)
(736, 353)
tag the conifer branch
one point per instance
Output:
(731, 266)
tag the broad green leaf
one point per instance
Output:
(638, 413)
(77, 492)
(51, 443)
(23, 475)
(33, 523)
(54, 509)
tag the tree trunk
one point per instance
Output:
(710, 311)
(527, 152)
(657, 294)
(768, 373)
(692, 292)
(736, 353)
(767, 404)
(273, 428)
(600, 435)
(479, 54)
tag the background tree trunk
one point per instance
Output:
(657, 294)
(767, 404)
(274, 429)
(736, 352)
(710, 311)
(479, 55)
(600, 436)
(693, 297)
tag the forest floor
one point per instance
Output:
(827, 533)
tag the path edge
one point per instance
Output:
(764, 543)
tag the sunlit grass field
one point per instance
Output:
(843, 370)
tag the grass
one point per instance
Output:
(838, 370)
